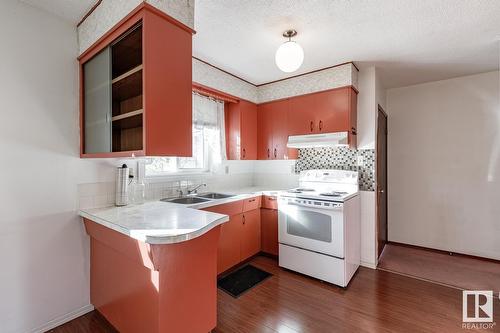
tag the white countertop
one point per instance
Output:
(158, 222)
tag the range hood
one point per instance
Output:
(337, 139)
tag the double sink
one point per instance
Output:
(198, 198)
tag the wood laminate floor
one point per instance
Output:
(375, 301)
(452, 270)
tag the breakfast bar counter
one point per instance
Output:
(154, 266)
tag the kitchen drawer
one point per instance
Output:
(251, 203)
(231, 208)
(269, 202)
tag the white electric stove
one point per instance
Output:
(319, 226)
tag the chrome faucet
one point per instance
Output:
(195, 189)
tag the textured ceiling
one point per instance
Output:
(410, 41)
(70, 10)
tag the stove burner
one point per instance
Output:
(300, 190)
(333, 194)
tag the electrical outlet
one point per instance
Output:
(361, 161)
(226, 169)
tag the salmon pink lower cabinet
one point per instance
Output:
(250, 234)
(269, 231)
(154, 288)
(228, 250)
(240, 237)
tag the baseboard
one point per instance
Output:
(368, 265)
(64, 319)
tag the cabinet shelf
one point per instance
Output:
(127, 115)
(128, 87)
(127, 74)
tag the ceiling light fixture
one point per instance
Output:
(289, 56)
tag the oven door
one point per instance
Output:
(311, 228)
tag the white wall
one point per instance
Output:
(275, 174)
(366, 107)
(371, 93)
(43, 247)
(444, 165)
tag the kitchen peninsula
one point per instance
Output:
(154, 265)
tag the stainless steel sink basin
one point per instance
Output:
(215, 195)
(186, 200)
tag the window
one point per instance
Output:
(209, 144)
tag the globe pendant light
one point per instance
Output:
(289, 56)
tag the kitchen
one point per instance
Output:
(256, 134)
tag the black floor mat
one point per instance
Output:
(242, 280)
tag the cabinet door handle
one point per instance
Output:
(251, 200)
(268, 153)
(243, 219)
(320, 125)
(244, 153)
(275, 153)
(271, 198)
(312, 126)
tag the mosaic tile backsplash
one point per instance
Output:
(342, 159)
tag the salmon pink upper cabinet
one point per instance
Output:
(242, 130)
(273, 130)
(279, 112)
(325, 112)
(353, 119)
(135, 89)
(335, 110)
(301, 117)
(264, 132)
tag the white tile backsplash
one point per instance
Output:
(102, 194)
